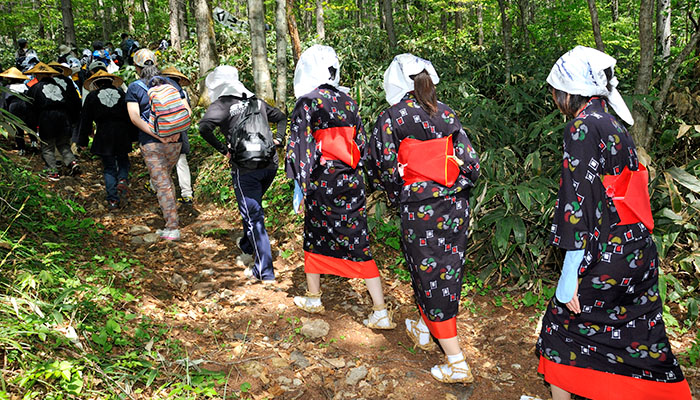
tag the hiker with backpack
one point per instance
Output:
(184, 177)
(161, 114)
(52, 110)
(250, 149)
(129, 47)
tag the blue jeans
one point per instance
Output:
(116, 168)
(250, 188)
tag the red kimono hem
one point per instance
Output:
(320, 264)
(598, 385)
(441, 329)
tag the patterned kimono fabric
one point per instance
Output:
(434, 218)
(336, 238)
(617, 347)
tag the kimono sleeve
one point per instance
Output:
(383, 165)
(464, 151)
(578, 213)
(301, 149)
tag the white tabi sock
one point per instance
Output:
(446, 371)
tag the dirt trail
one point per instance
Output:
(251, 332)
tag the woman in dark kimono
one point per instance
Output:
(106, 106)
(324, 158)
(603, 335)
(422, 158)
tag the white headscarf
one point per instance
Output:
(397, 78)
(223, 81)
(582, 71)
(312, 69)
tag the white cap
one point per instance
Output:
(582, 71)
(312, 69)
(223, 81)
(397, 78)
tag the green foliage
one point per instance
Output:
(62, 320)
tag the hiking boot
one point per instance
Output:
(112, 204)
(74, 168)
(186, 200)
(52, 176)
(123, 189)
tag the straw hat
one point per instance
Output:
(42, 69)
(14, 73)
(172, 72)
(100, 75)
(65, 71)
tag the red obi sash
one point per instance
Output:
(630, 194)
(338, 143)
(428, 160)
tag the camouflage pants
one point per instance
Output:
(160, 159)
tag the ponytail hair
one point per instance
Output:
(424, 90)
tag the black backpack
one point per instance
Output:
(251, 143)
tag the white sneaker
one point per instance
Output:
(169, 234)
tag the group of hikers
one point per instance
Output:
(602, 334)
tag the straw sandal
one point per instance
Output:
(414, 333)
(301, 302)
(389, 317)
(448, 378)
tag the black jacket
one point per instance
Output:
(115, 132)
(222, 113)
(55, 105)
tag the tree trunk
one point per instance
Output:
(458, 21)
(320, 28)
(258, 50)
(596, 25)
(174, 10)
(503, 5)
(68, 24)
(389, 22)
(308, 17)
(663, 28)
(130, 16)
(105, 13)
(615, 10)
(646, 64)
(281, 29)
(523, 5)
(480, 23)
(146, 15)
(358, 15)
(182, 23)
(293, 31)
(206, 47)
